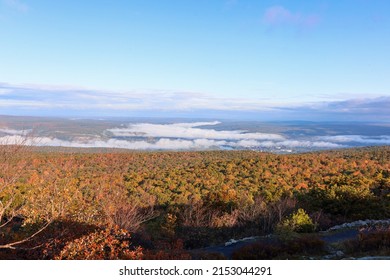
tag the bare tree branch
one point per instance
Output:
(12, 164)
(12, 245)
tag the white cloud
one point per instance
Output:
(4, 91)
(246, 143)
(375, 140)
(8, 103)
(189, 131)
(14, 131)
(288, 144)
(308, 144)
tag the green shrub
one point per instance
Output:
(299, 222)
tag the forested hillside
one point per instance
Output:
(167, 205)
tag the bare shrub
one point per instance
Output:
(130, 216)
(251, 213)
(124, 211)
(225, 219)
(276, 212)
(375, 241)
(201, 215)
(197, 215)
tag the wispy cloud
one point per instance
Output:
(4, 91)
(379, 105)
(230, 3)
(353, 109)
(35, 97)
(279, 15)
(16, 4)
(68, 101)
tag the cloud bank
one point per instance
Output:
(168, 144)
(370, 140)
(190, 131)
(360, 109)
(176, 136)
(68, 101)
(32, 97)
(14, 131)
(161, 144)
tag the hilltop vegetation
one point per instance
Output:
(164, 205)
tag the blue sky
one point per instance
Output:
(256, 58)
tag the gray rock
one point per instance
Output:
(339, 254)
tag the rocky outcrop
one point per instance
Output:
(360, 224)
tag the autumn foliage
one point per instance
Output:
(165, 204)
(107, 244)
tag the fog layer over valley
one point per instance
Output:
(157, 134)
